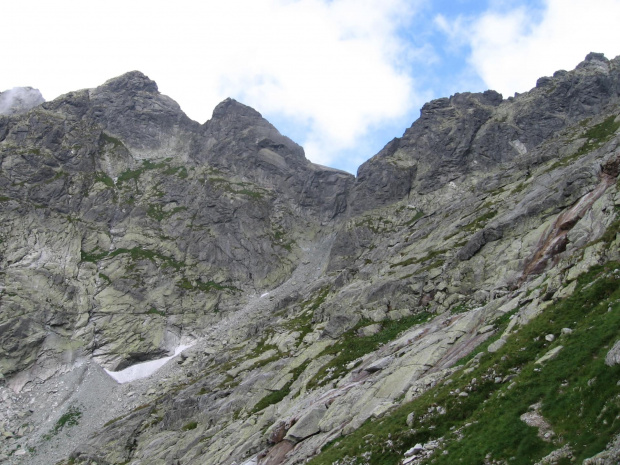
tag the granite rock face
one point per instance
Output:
(469, 134)
(316, 302)
(124, 217)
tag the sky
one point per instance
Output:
(339, 77)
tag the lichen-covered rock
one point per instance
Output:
(137, 223)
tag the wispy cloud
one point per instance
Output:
(511, 47)
(327, 69)
(340, 77)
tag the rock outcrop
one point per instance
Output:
(125, 217)
(467, 135)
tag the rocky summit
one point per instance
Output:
(174, 293)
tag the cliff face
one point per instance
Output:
(353, 316)
(122, 217)
(470, 134)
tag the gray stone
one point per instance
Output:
(613, 356)
(379, 364)
(369, 330)
(307, 425)
(414, 450)
(553, 353)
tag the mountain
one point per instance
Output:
(456, 301)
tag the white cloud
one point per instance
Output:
(510, 50)
(334, 67)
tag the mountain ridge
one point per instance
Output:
(320, 305)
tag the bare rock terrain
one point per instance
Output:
(467, 276)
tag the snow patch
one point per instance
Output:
(144, 369)
(264, 295)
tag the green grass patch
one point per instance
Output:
(480, 222)
(612, 230)
(157, 212)
(250, 193)
(260, 349)
(350, 346)
(435, 264)
(128, 175)
(58, 175)
(276, 396)
(377, 225)
(488, 204)
(240, 188)
(106, 139)
(70, 418)
(154, 311)
(308, 306)
(596, 136)
(104, 178)
(147, 165)
(93, 256)
(301, 323)
(419, 214)
(460, 308)
(413, 260)
(279, 239)
(190, 426)
(599, 134)
(500, 324)
(577, 391)
(136, 254)
(113, 420)
(179, 171)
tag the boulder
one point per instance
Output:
(307, 425)
(613, 356)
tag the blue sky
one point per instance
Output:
(340, 77)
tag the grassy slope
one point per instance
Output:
(579, 394)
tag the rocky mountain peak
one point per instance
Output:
(472, 132)
(152, 125)
(132, 81)
(461, 100)
(231, 108)
(238, 139)
(231, 117)
(594, 56)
